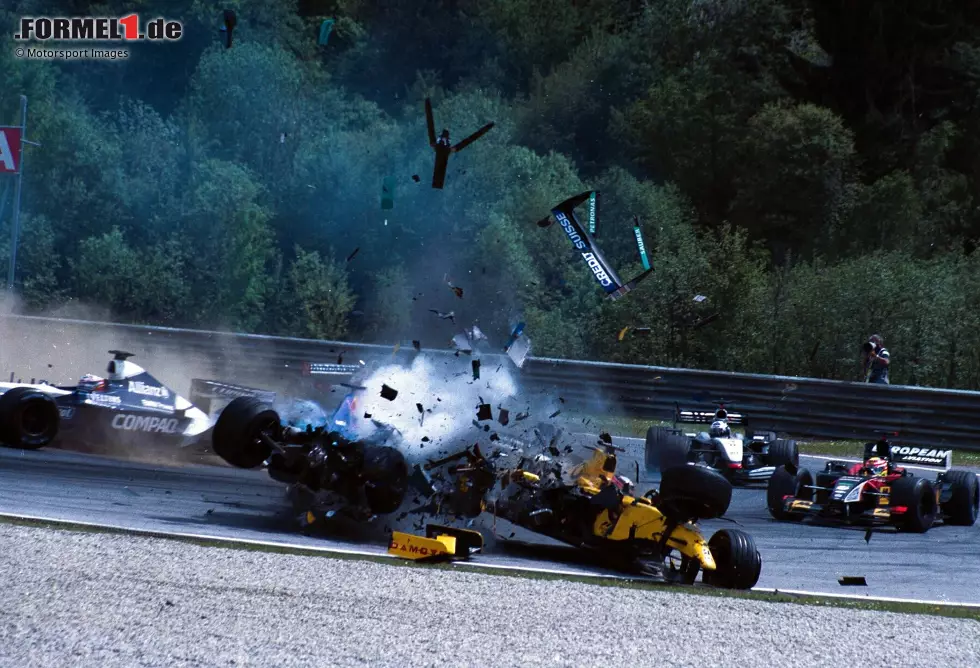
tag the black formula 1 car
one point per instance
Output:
(595, 509)
(329, 469)
(752, 457)
(127, 410)
(878, 491)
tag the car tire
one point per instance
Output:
(236, 433)
(919, 497)
(29, 418)
(783, 453)
(964, 504)
(783, 484)
(737, 560)
(385, 476)
(694, 492)
(666, 449)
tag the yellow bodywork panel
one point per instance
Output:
(410, 546)
(801, 505)
(640, 520)
(882, 512)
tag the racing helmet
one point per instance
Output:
(876, 466)
(719, 429)
(92, 383)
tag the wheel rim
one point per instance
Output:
(33, 420)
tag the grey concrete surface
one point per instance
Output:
(88, 599)
(940, 565)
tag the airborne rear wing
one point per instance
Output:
(705, 417)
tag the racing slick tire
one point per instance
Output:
(385, 476)
(236, 433)
(694, 492)
(783, 484)
(737, 560)
(29, 418)
(783, 453)
(666, 449)
(919, 497)
(964, 504)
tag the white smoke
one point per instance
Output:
(443, 386)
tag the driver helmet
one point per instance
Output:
(876, 466)
(719, 428)
(91, 382)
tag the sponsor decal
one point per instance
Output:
(139, 387)
(145, 423)
(905, 453)
(597, 269)
(566, 225)
(67, 412)
(149, 403)
(412, 549)
(103, 399)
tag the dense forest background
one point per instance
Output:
(811, 167)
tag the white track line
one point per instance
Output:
(473, 565)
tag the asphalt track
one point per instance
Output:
(941, 565)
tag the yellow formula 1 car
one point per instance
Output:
(594, 509)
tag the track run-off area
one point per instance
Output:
(217, 502)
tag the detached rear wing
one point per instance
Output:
(212, 395)
(686, 416)
(602, 271)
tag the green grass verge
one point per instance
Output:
(953, 611)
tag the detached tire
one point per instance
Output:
(29, 418)
(666, 449)
(385, 475)
(783, 453)
(236, 434)
(919, 497)
(964, 505)
(737, 560)
(783, 484)
(694, 492)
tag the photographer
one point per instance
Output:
(875, 360)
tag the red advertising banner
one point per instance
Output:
(10, 149)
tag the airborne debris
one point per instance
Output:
(388, 393)
(353, 254)
(230, 21)
(853, 581)
(451, 316)
(485, 412)
(605, 438)
(417, 345)
(522, 416)
(555, 414)
(503, 417)
(443, 147)
(585, 244)
(476, 369)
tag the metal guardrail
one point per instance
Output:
(803, 407)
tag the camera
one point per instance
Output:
(868, 347)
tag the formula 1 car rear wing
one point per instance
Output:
(213, 395)
(907, 454)
(607, 277)
(686, 416)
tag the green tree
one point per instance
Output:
(321, 296)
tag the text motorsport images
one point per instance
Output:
(96, 29)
